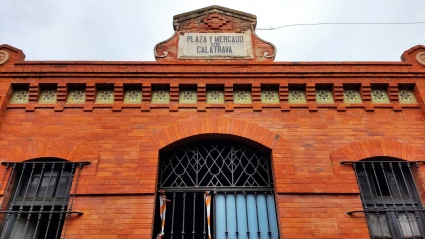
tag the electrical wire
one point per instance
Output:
(339, 23)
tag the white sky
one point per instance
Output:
(127, 30)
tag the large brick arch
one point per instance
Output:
(281, 154)
(373, 148)
(49, 148)
(226, 126)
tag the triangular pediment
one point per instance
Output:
(177, 19)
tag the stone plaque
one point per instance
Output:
(215, 46)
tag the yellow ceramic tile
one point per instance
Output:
(187, 97)
(161, 96)
(242, 97)
(297, 96)
(324, 96)
(215, 96)
(379, 96)
(269, 97)
(105, 97)
(133, 96)
(20, 97)
(76, 96)
(48, 96)
(406, 97)
(352, 96)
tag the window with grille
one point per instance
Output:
(37, 198)
(390, 196)
(239, 181)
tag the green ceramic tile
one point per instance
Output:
(161, 96)
(379, 96)
(269, 97)
(187, 97)
(352, 96)
(20, 97)
(48, 96)
(406, 97)
(297, 96)
(76, 96)
(105, 97)
(242, 97)
(215, 96)
(133, 96)
(324, 96)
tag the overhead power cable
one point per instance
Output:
(340, 23)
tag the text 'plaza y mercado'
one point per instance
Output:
(212, 140)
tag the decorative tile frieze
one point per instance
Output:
(133, 96)
(161, 96)
(242, 97)
(105, 97)
(352, 96)
(324, 96)
(48, 96)
(215, 96)
(379, 96)
(76, 96)
(187, 97)
(297, 97)
(406, 97)
(269, 97)
(20, 97)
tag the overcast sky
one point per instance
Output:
(127, 30)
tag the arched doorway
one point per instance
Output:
(229, 180)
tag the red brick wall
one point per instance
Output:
(116, 192)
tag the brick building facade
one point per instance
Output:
(120, 117)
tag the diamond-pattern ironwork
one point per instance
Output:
(215, 163)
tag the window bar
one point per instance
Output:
(64, 202)
(1, 185)
(401, 197)
(363, 201)
(8, 183)
(392, 199)
(225, 212)
(236, 210)
(54, 202)
(194, 203)
(80, 166)
(172, 217)
(44, 200)
(373, 200)
(420, 201)
(246, 204)
(387, 214)
(21, 208)
(410, 196)
(215, 214)
(256, 210)
(267, 210)
(35, 195)
(184, 203)
(205, 208)
(12, 202)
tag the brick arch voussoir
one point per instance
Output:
(227, 126)
(57, 149)
(376, 148)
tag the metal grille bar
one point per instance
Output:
(40, 199)
(219, 163)
(391, 196)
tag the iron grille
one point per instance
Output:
(390, 196)
(214, 163)
(38, 198)
(236, 214)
